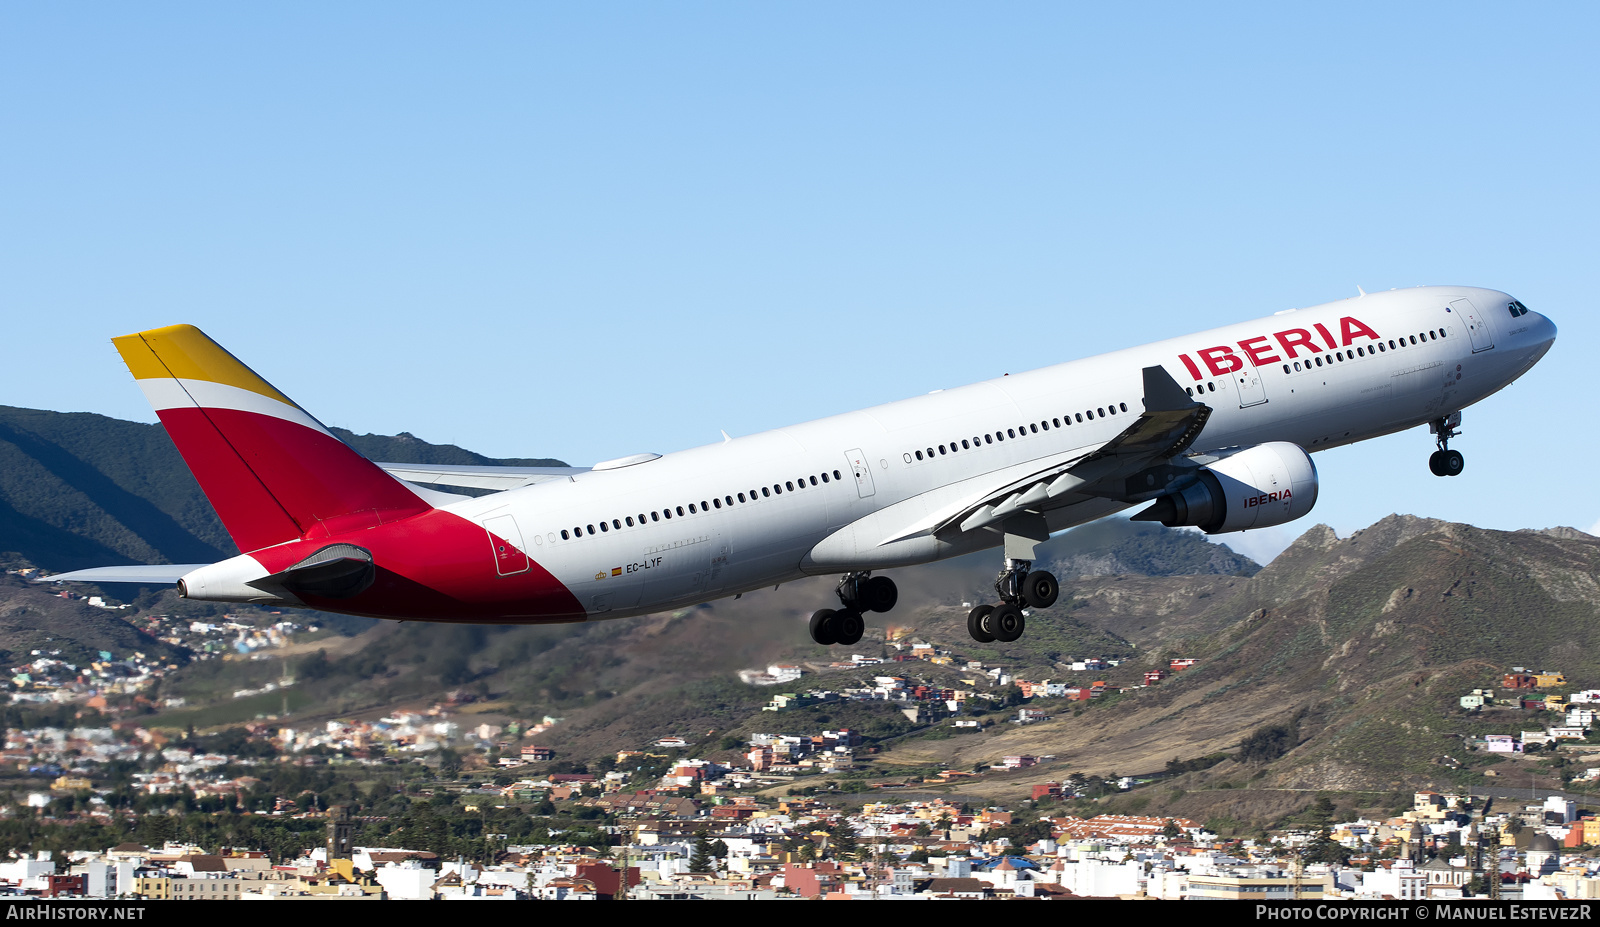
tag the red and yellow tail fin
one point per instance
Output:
(272, 472)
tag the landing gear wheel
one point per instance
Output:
(1040, 589)
(879, 594)
(1005, 622)
(1445, 462)
(1453, 463)
(975, 624)
(824, 627)
(848, 626)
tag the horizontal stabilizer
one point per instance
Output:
(478, 477)
(152, 574)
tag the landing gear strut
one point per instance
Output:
(858, 592)
(1445, 462)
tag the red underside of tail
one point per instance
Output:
(437, 566)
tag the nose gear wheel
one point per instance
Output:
(1445, 462)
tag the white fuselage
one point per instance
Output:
(887, 466)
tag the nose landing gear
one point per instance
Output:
(1445, 462)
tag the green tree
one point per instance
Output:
(449, 763)
(314, 667)
(1268, 743)
(1324, 849)
(842, 842)
(700, 858)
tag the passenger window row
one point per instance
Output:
(999, 437)
(702, 507)
(1367, 350)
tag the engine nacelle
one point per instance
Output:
(1269, 484)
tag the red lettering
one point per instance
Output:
(1350, 327)
(1251, 502)
(1323, 331)
(1215, 357)
(1296, 336)
(1258, 353)
(1190, 364)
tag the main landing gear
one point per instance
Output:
(1019, 586)
(1445, 462)
(858, 592)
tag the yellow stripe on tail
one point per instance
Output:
(185, 353)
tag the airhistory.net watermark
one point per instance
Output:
(74, 912)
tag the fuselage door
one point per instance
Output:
(1251, 390)
(863, 472)
(505, 541)
(717, 553)
(1477, 328)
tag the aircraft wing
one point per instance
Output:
(478, 477)
(1134, 465)
(153, 574)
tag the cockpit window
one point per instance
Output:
(1517, 309)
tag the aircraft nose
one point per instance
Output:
(1541, 334)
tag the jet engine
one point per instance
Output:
(1258, 487)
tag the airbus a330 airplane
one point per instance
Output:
(1210, 430)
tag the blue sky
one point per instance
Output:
(586, 230)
